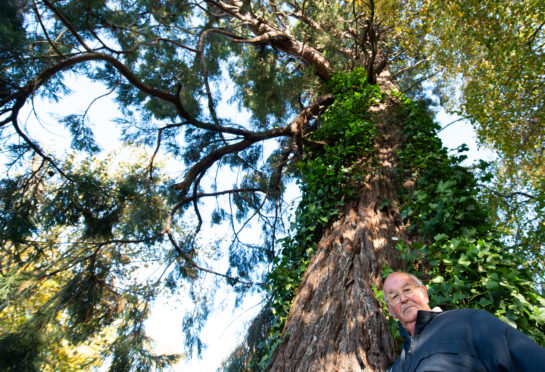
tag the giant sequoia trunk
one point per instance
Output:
(336, 322)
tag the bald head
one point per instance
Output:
(405, 296)
(393, 277)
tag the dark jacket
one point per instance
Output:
(467, 340)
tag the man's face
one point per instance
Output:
(405, 299)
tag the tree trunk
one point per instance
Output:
(336, 323)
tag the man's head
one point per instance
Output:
(405, 295)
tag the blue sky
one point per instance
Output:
(226, 328)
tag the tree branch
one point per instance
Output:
(370, 31)
(43, 76)
(67, 24)
(223, 192)
(158, 145)
(206, 162)
(295, 128)
(449, 124)
(44, 30)
(200, 52)
(194, 264)
(410, 67)
(34, 146)
(277, 38)
(420, 81)
(533, 36)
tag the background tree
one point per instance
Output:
(321, 81)
(67, 288)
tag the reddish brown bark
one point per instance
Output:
(336, 323)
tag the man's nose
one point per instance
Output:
(403, 297)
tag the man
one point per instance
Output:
(456, 340)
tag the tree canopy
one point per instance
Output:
(77, 228)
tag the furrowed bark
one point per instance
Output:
(336, 323)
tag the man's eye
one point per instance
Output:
(394, 296)
(406, 290)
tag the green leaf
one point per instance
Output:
(438, 279)
(484, 302)
(464, 261)
(492, 284)
(440, 237)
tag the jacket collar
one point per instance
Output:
(422, 320)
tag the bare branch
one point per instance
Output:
(533, 36)
(370, 31)
(34, 146)
(449, 124)
(314, 109)
(274, 180)
(200, 52)
(411, 67)
(196, 204)
(99, 97)
(236, 233)
(44, 29)
(206, 162)
(67, 24)
(223, 192)
(416, 83)
(512, 195)
(158, 145)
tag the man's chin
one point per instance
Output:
(410, 312)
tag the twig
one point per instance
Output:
(192, 263)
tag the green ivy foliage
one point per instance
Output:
(328, 176)
(453, 241)
(465, 261)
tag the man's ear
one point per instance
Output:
(425, 291)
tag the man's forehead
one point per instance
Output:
(396, 281)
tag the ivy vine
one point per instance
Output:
(465, 263)
(328, 176)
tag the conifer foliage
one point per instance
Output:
(314, 95)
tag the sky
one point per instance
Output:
(226, 329)
(459, 133)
